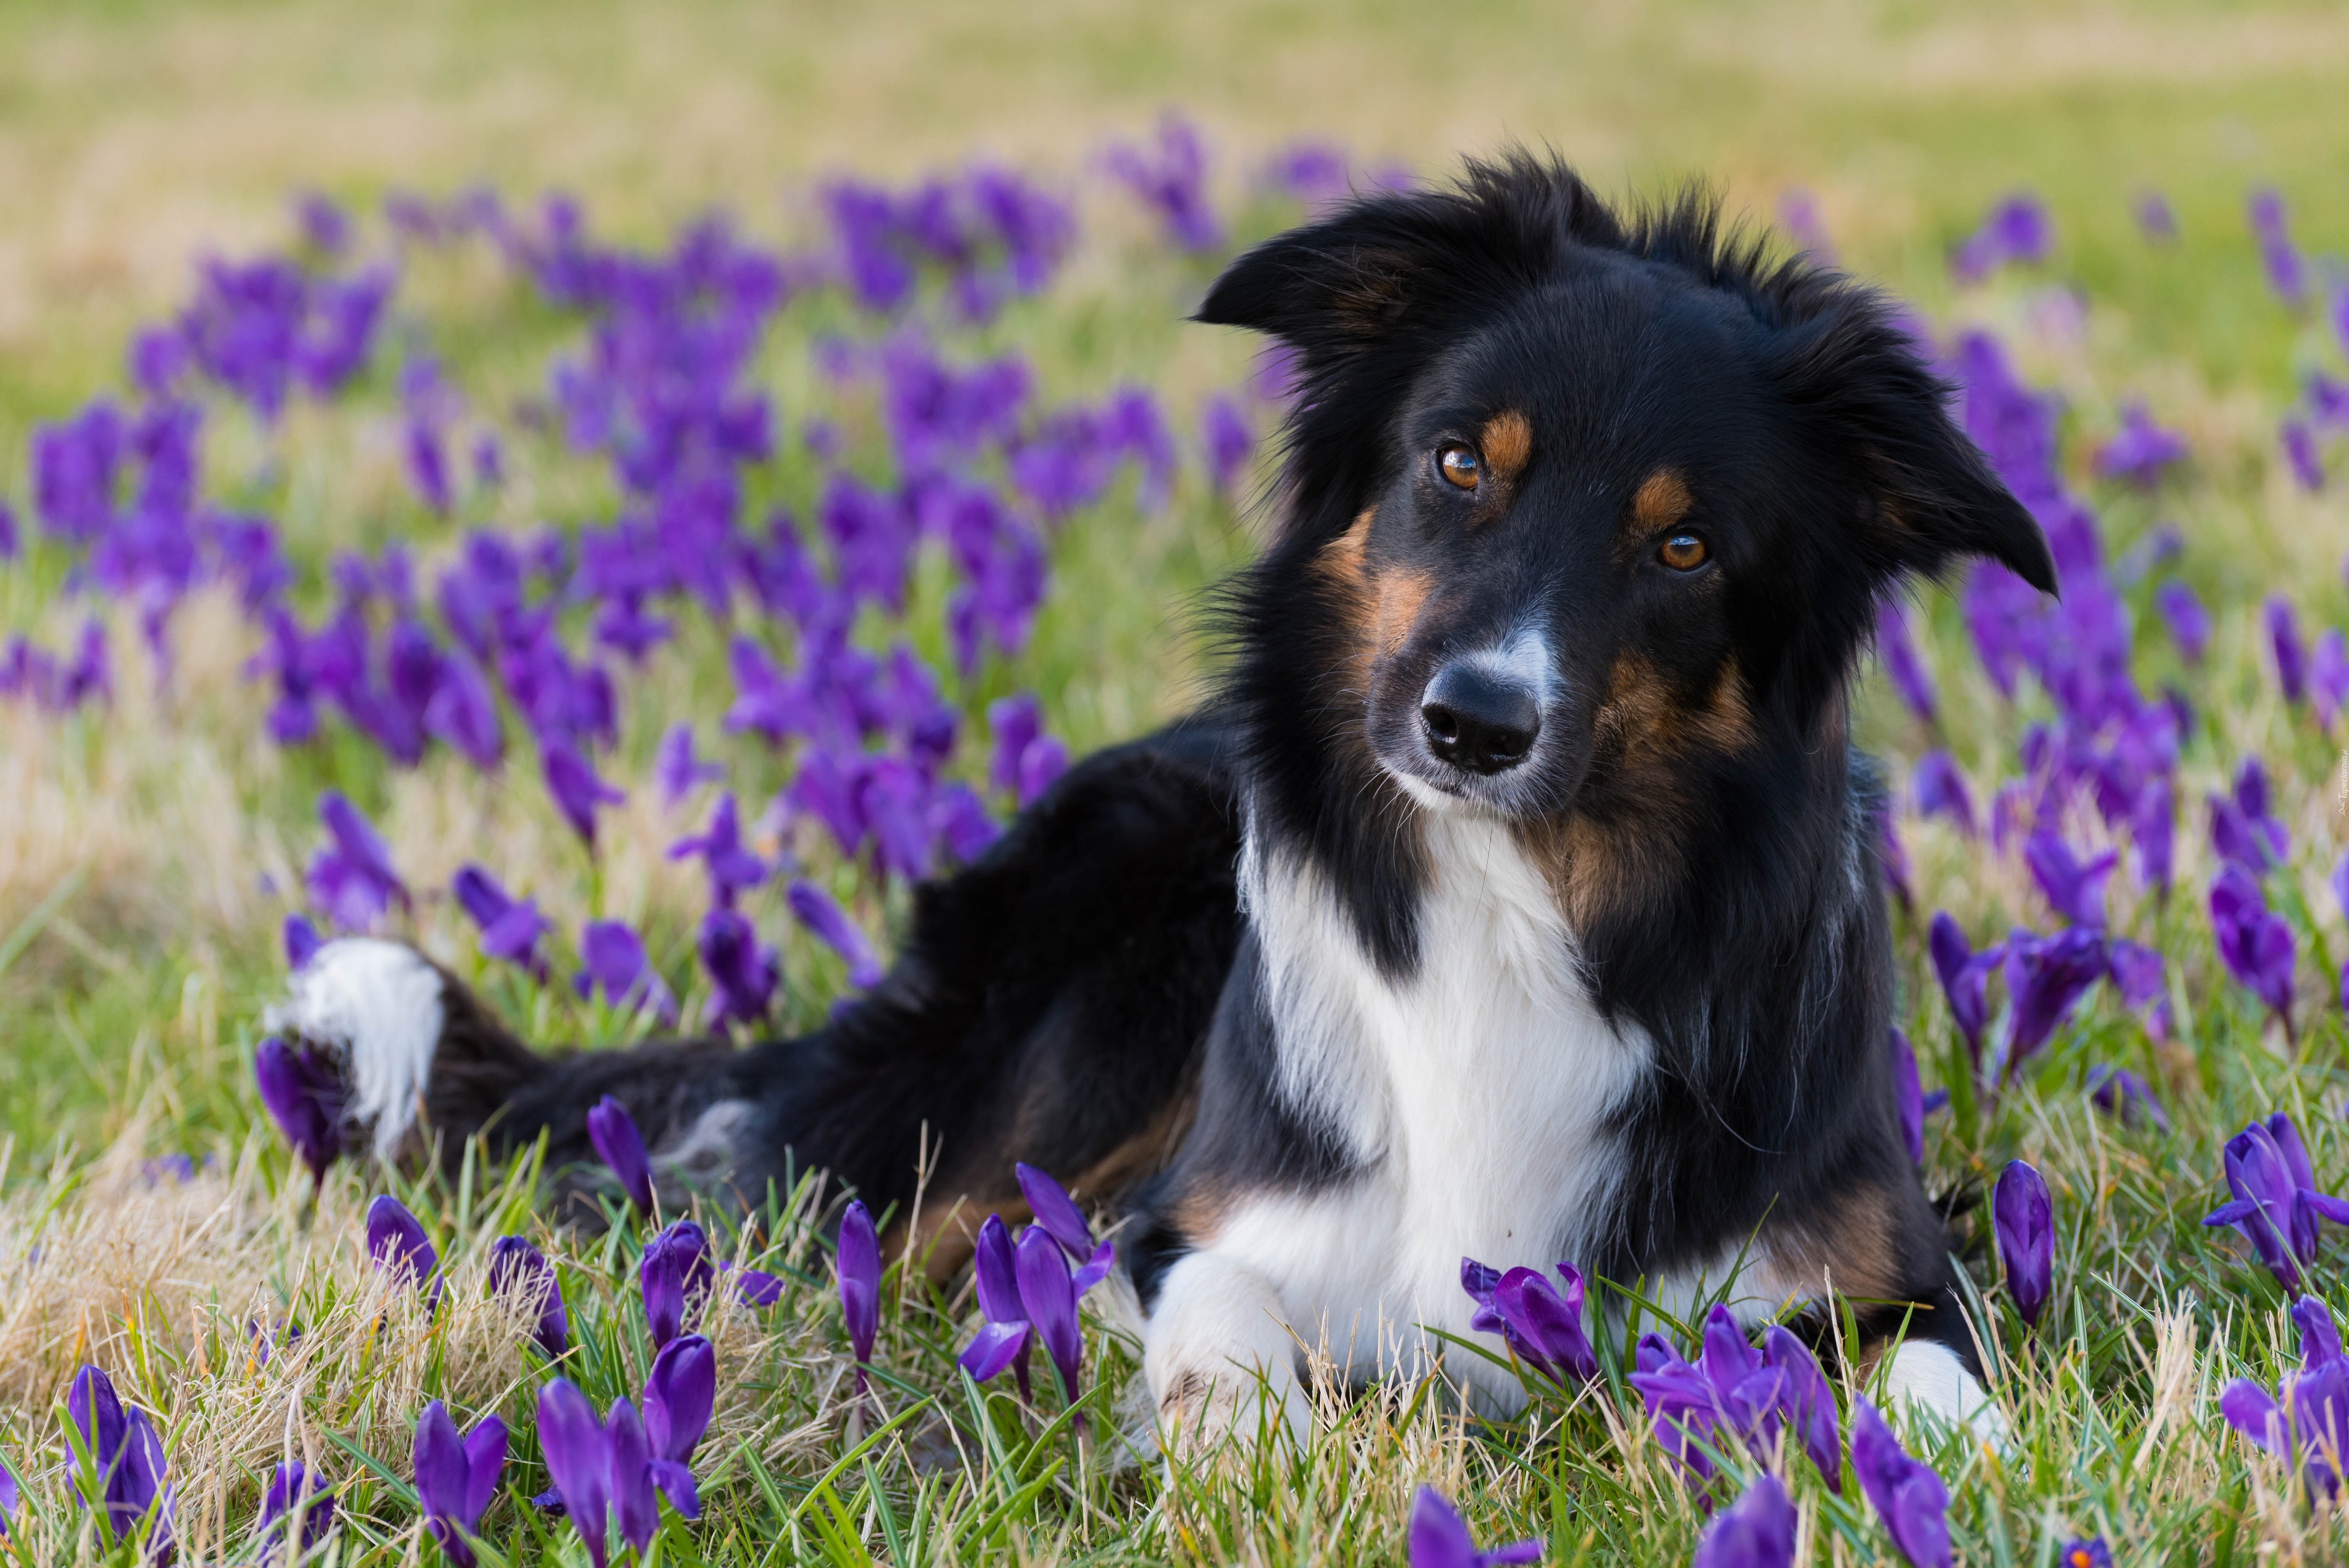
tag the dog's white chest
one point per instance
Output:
(1475, 1097)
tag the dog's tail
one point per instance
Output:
(1047, 1004)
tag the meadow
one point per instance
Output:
(371, 519)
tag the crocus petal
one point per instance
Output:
(1439, 1536)
(2022, 1217)
(485, 1457)
(680, 1392)
(1758, 1532)
(614, 1133)
(995, 1347)
(397, 1241)
(996, 1275)
(1097, 1267)
(1807, 1400)
(755, 1287)
(2320, 1336)
(579, 1459)
(2253, 1411)
(856, 1264)
(1049, 1296)
(1056, 1212)
(634, 1503)
(677, 1484)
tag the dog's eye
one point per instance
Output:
(1459, 464)
(1682, 552)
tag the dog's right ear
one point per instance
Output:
(1391, 268)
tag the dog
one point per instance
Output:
(1517, 896)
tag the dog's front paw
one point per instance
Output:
(1202, 1410)
(1220, 1360)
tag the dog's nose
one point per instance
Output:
(1478, 719)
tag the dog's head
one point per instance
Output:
(1575, 505)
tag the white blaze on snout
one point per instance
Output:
(1520, 659)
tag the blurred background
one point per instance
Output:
(148, 851)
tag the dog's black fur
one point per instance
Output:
(1089, 997)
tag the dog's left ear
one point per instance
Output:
(1867, 397)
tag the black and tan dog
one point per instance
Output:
(1518, 897)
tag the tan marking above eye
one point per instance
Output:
(1662, 500)
(1459, 464)
(1682, 552)
(1507, 440)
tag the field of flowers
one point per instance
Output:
(629, 614)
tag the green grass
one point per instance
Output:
(137, 938)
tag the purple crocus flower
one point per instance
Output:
(2276, 1204)
(2328, 675)
(1002, 1340)
(8, 1498)
(2017, 230)
(1681, 1404)
(303, 1092)
(2023, 1216)
(680, 1392)
(1171, 180)
(2242, 831)
(2153, 836)
(352, 879)
(2307, 1414)
(2254, 941)
(1049, 1296)
(2143, 976)
(302, 942)
(1440, 1539)
(1939, 788)
(2044, 976)
(2122, 1095)
(744, 974)
(620, 1146)
(2300, 451)
(1230, 443)
(732, 869)
(2157, 222)
(1907, 1096)
(616, 964)
(1758, 1532)
(2073, 888)
(1964, 976)
(1542, 1324)
(675, 768)
(675, 1276)
(510, 927)
(297, 1508)
(126, 1458)
(856, 1268)
(813, 907)
(753, 1287)
(397, 1241)
(2090, 1552)
(579, 1460)
(2140, 450)
(519, 1269)
(1061, 1219)
(1731, 1389)
(2188, 622)
(576, 789)
(1901, 664)
(2291, 652)
(456, 1477)
(1907, 1495)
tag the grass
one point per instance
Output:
(145, 850)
